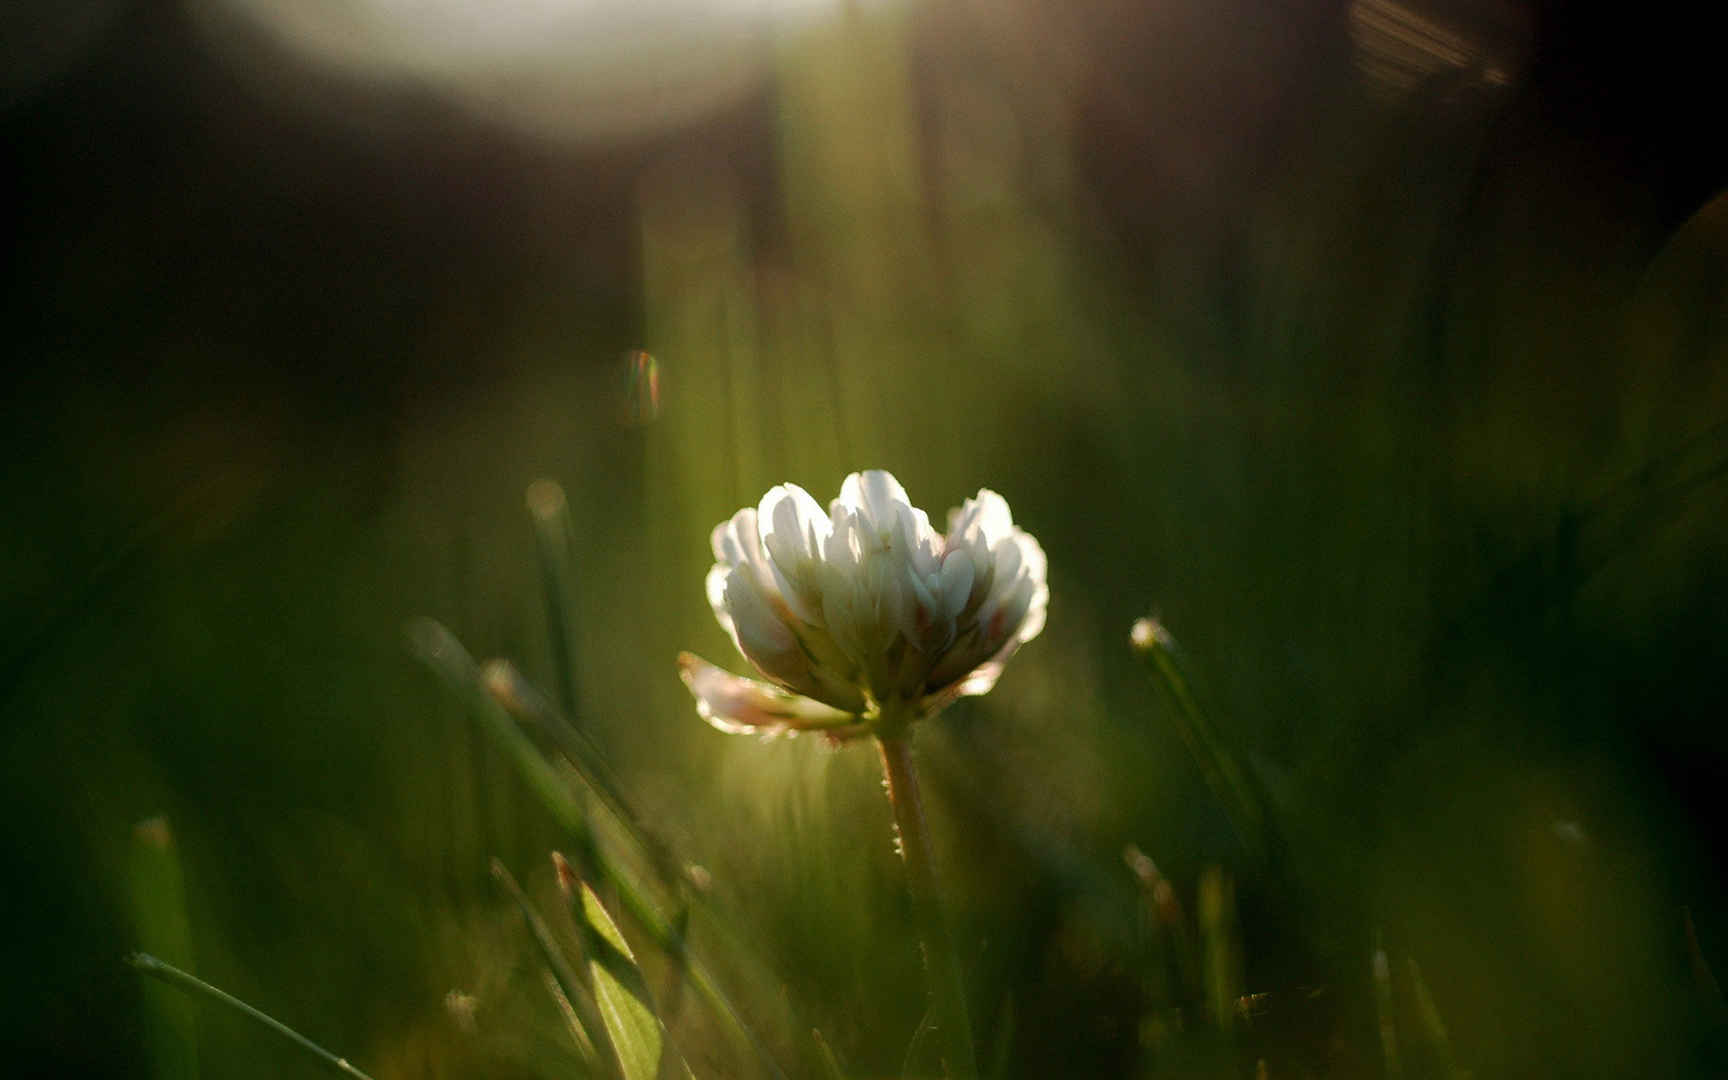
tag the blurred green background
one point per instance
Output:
(1377, 348)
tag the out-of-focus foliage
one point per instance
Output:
(1349, 340)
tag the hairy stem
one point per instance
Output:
(941, 964)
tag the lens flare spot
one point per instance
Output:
(641, 388)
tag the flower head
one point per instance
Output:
(864, 615)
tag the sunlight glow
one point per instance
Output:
(556, 68)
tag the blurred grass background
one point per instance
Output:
(1378, 349)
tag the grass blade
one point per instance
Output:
(1431, 1024)
(571, 980)
(173, 976)
(830, 1061)
(1171, 978)
(1381, 968)
(525, 702)
(1221, 951)
(621, 991)
(445, 655)
(1231, 781)
(440, 650)
(554, 539)
(585, 1048)
(157, 895)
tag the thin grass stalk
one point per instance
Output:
(830, 1061)
(572, 979)
(1173, 979)
(1221, 948)
(1380, 967)
(567, 1009)
(1235, 786)
(1431, 1024)
(173, 976)
(524, 701)
(554, 540)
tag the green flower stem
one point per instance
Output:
(173, 976)
(941, 964)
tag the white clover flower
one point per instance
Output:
(864, 618)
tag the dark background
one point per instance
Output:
(1378, 349)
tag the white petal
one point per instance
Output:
(792, 523)
(852, 493)
(1031, 556)
(874, 495)
(839, 612)
(956, 578)
(986, 515)
(794, 531)
(1004, 623)
(841, 550)
(972, 548)
(982, 679)
(921, 543)
(887, 594)
(1008, 556)
(729, 537)
(925, 620)
(737, 705)
(1033, 624)
(716, 584)
(736, 542)
(760, 634)
(978, 681)
(1018, 584)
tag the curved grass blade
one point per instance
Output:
(830, 1061)
(1172, 977)
(440, 650)
(526, 702)
(168, 973)
(621, 992)
(1231, 781)
(554, 540)
(915, 1045)
(157, 895)
(569, 979)
(1431, 1025)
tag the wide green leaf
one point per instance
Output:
(621, 992)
